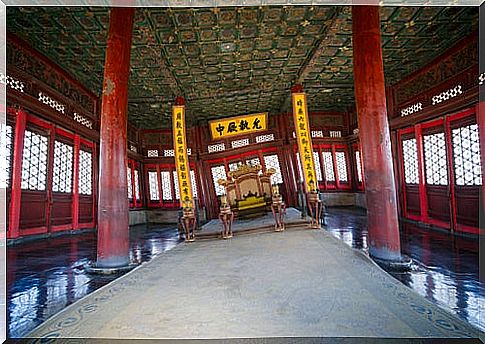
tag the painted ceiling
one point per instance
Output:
(234, 60)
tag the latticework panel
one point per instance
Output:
(233, 166)
(194, 183)
(335, 133)
(317, 133)
(166, 186)
(264, 138)
(466, 154)
(341, 166)
(358, 166)
(129, 182)
(218, 172)
(318, 169)
(435, 159)
(137, 184)
(218, 147)
(240, 143)
(328, 166)
(85, 184)
(169, 152)
(62, 173)
(410, 157)
(176, 184)
(272, 161)
(152, 153)
(253, 162)
(153, 186)
(34, 162)
(5, 154)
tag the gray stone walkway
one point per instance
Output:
(297, 283)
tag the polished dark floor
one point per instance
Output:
(45, 276)
(445, 267)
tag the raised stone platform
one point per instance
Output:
(265, 223)
(290, 284)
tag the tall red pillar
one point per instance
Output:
(383, 226)
(113, 232)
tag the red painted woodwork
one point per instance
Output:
(75, 183)
(374, 133)
(113, 234)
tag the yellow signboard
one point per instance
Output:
(239, 125)
(181, 157)
(303, 137)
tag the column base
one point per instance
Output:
(404, 263)
(92, 268)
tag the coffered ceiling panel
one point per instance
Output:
(234, 60)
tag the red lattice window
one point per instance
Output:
(271, 161)
(129, 182)
(34, 162)
(137, 184)
(328, 165)
(62, 171)
(358, 166)
(318, 169)
(435, 159)
(153, 186)
(341, 162)
(85, 173)
(410, 157)
(166, 186)
(466, 155)
(218, 172)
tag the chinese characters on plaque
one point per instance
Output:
(238, 125)
(181, 158)
(304, 140)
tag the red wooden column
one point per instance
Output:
(16, 181)
(374, 135)
(113, 233)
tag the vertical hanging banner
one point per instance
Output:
(181, 157)
(303, 137)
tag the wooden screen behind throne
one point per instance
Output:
(247, 181)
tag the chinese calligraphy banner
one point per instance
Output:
(239, 125)
(181, 158)
(303, 137)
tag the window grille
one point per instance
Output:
(335, 133)
(272, 161)
(168, 152)
(412, 109)
(153, 186)
(218, 172)
(233, 166)
(410, 157)
(448, 94)
(317, 133)
(133, 148)
(358, 164)
(298, 161)
(240, 143)
(189, 151)
(62, 172)
(166, 186)
(34, 162)
(356, 131)
(264, 138)
(218, 147)
(341, 166)
(176, 183)
(318, 169)
(5, 154)
(129, 182)
(328, 165)
(83, 120)
(435, 159)
(466, 155)
(12, 82)
(137, 184)
(44, 98)
(85, 173)
(253, 162)
(194, 183)
(152, 153)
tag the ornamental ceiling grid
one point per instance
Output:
(234, 60)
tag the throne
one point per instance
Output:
(248, 190)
